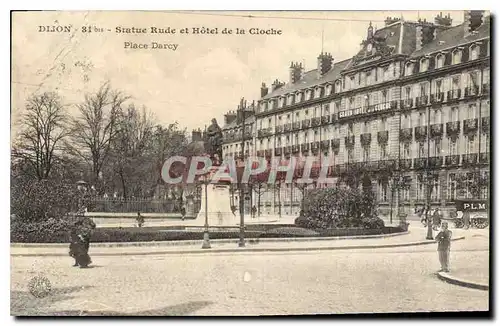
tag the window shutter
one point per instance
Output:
(416, 67)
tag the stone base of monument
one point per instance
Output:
(219, 207)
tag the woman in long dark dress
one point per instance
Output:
(78, 249)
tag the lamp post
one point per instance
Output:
(428, 172)
(206, 238)
(241, 243)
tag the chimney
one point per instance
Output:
(390, 20)
(276, 85)
(263, 90)
(229, 117)
(425, 33)
(196, 135)
(472, 20)
(325, 63)
(444, 21)
(296, 72)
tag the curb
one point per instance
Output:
(174, 243)
(245, 249)
(461, 282)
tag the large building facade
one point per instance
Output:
(414, 100)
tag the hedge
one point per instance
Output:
(161, 234)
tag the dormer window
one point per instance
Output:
(474, 52)
(338, 86)
(424, 65)
(328, 90)
(457, 56)
(440, 61)
(409, 69)
(317, 92)
(308, 95)
(281, 102)
(298, 97)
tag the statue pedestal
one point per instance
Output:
(219, 206)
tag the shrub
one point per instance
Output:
(51, 230)
(39, 200)
(339, 208)
(289, 232)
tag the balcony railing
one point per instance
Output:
(287, 127)
(406, 135)
(316, 121)
(422, 100)
(278, 129)
(304, 147)
(485, 124)
(420, 133)
(260, 153)
(325, 119)
(278, 151)
(437, 97)
(383, 136)
(405, 164)
(349, 141)
(264, 132)
(471, 91)
(469, 159)
(335, 144)
(406, 103)
(452, 128)
(484, 158)
(314, 145)
(325, 144)
(296, 125)
(366, 139)
(452, 160)
(287, 150)
(419, 163)
(268, 152)
(435, 162)
(335, 117)
(295, 148)
(387, 164)
(306, 123)
(470, 126)
(454, 94)
(437, 130)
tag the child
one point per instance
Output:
(444, 242)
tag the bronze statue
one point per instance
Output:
(213, 142)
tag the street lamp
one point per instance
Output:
(206, 238)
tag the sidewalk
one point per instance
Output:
(413, 237)
(466, 272)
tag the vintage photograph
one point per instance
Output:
(233, 163)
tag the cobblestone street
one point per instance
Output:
(365, 280)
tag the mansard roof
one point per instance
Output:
(453, 37)
(310, 79)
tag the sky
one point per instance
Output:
(204, 78)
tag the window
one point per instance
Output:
(407, 92)
(328, 90)
(470, 145)
(454, 114)
(474, 52)
(383, 151)
(437, 147)
(424, 89)
(350, 129)
(351, 103)
(383, 124)
(472, 113)
(296, 139)
(385, 96)
(308, 95)
(318, 92)
(287, 140)
(452, 186)
(473, 80)
(406, 121)
(422, 121)
(457, 57)
(366, 153)
(434, 188)
(288, 118)
(383, 190)
(326, 109)
(350, 155)
(485, 143)
(453, 143)
(337, 105)
(362, 78)
(437, 116)
(367, 100)
(337, 86)
(297, 116)
(364, 127)
(420, 187)
(298, 97)
(424, 65)
(316, 135)
(269, 122)
(439, 86)
(406, 151)
(405, 192)
(440, 61)
(408, 69)
(421, 150)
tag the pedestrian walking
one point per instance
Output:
(436, 219)
(443, 239)
(466, 217)
(183, 212)
(254, 211)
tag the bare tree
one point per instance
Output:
(96, 126)
(44, 127)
